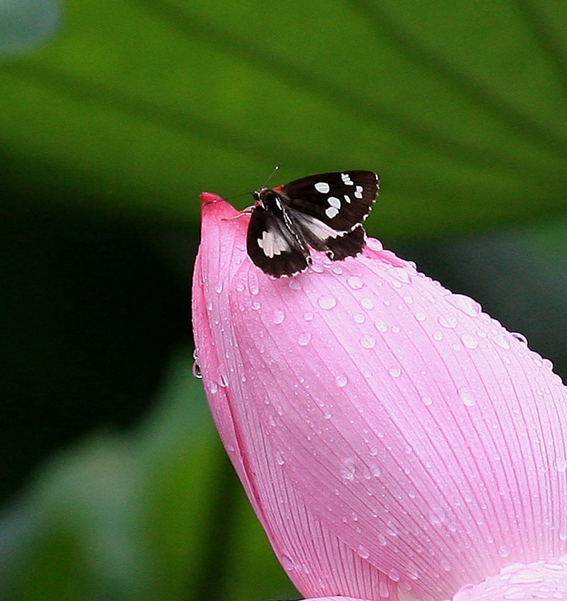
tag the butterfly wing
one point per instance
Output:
(341, 201)
(274, 246)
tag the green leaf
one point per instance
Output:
(140, 106)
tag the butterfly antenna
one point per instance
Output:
(272, 173)
(278, 166)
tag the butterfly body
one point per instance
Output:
(324, 212)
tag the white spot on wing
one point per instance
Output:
(316, 227)
(358, 192)
(347, 198)
(331, 212)
(272, 244)
(346, 179)
(322, 187)
(334, 202)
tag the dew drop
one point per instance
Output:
(375, 470)
(341, 381)
(367, 341)
(437, 336)
(240, 287)
(381, 326)
(196, 370)
(348, 469)
(367, 304)
(337, 269)
(359, 318)
(561, 464)
(503, 551)
(437, 516)
(465, 304)
(294, 284)
(304, 339)
(213, 387)
(520, 337)
(427, 401)
(400, 274)
(278, 316)
(548, 364)
(420, 316)
(448, 321)
(256, 305)
(280, 459)
(501, 341)
(327, 302)
(223, 382)
(254, 289)
(363, 552)
(469, 341)
(374, 244)
(308, 316)
(395, 372)
(467, 397)
(355, 283)
(218, 287)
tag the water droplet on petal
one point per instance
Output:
(363, 552)
(337, 269)
(294, 284)
(374, 244)
(465, 304)
(427, 401)
(548, 364)
(503, 551)
(381, 326)
(223, 382)
(501, 341)
(218, 288)
(213, 387)
(400, 274)
(254, 289)
(341, 381)
(420, 316)
(317, 267)
(280, 459)
(359, 318)
(367, 341)
(278, 316)
(304, 339)
(469, 341)
(327, 302)
(561, 464)
(520, 337)
(308, 316)
(196, 370)
(348, 469)
(367, 304)
(467, 397)
(355, 283)
(395, 372)
(448, 321)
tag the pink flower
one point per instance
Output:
(396, 442)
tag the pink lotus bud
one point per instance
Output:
(396, 442)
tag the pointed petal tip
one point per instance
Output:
(209, 197)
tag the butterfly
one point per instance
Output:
(324, 212)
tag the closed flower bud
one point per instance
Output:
(396, 442)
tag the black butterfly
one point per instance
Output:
(323, 211)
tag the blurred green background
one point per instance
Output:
(114, 116)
